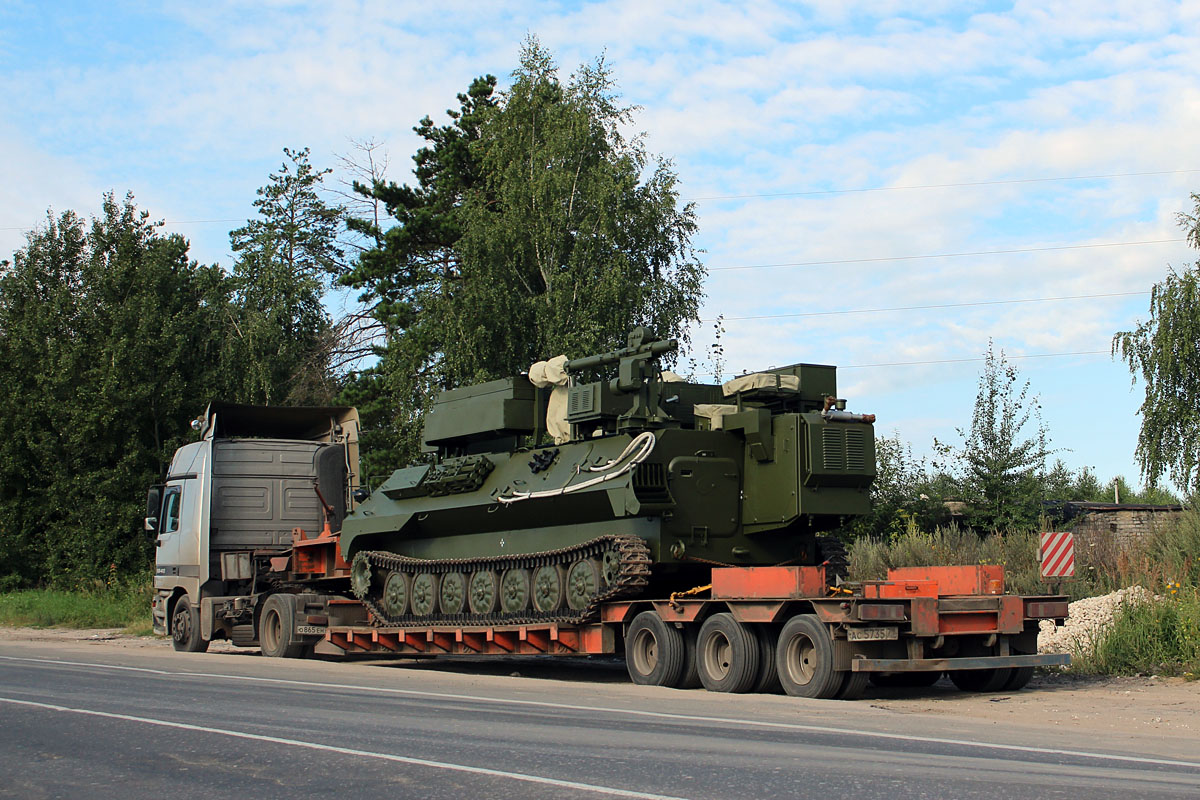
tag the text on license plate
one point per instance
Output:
(319, 630)
(872, 634)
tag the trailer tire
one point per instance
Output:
(690, 679)
(185, 628)
(655, 652)
(804, 659)
(980, 680)
(768, 675)
(277, 628)
(853, 685)
(726, 655)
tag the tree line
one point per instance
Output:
(535, 226)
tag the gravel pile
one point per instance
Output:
(1087, 618)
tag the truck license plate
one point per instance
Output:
(872, 634)
(320, 631)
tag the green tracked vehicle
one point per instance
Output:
(603, 477)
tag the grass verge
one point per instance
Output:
(1151, 637)
(125, 606)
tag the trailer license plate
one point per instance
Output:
(320, 631)
(873, 634)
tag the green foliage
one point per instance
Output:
(124, 604)
(535, 228)
(1156, 636)
(1000, 465)
(1165, 352)
(1017, 551)
(284, 260)
(109, 338)
(1168, 555)
(904, 494)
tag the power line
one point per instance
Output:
(945, 255)
(818, 192)
(927, 307)
(946, 361)
(164, 222)
(982, 358)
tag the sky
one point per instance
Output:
(886, 186)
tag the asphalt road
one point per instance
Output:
(96, 722)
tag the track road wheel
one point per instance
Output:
(726, 655)
(424, 593)
(277, 628)
(396, 591)
(979, 680)
(452, 595)
(483, 592)
(514, 590)
(185, 628)
(768, 676)
(548, 587)
(654, 651)
(583, 579)
(804, 659)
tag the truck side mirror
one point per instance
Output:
(153, 505)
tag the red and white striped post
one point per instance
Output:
(1057, 554)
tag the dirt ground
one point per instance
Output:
(1107, 707)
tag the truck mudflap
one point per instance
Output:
(940, 664)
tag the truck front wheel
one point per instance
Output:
(185, 628)
(277, 628)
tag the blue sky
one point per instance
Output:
(785, 111)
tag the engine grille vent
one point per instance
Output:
(833, 448)
(855, 450)
(650, 483)
(581, 400)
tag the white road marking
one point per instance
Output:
(350, 751)
(794, 726)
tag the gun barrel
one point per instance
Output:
(652, 349)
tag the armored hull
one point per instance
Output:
(649, 484)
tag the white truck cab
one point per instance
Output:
(230, 502)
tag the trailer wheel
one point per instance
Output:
(654, 651)
(726, 655)
(185, 628)
(1018, 679)
(979, 680)
(853, 685)
(804, 659)
(690, 679)
(768, 675)
(277, 628)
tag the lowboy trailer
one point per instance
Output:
(755, 629)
